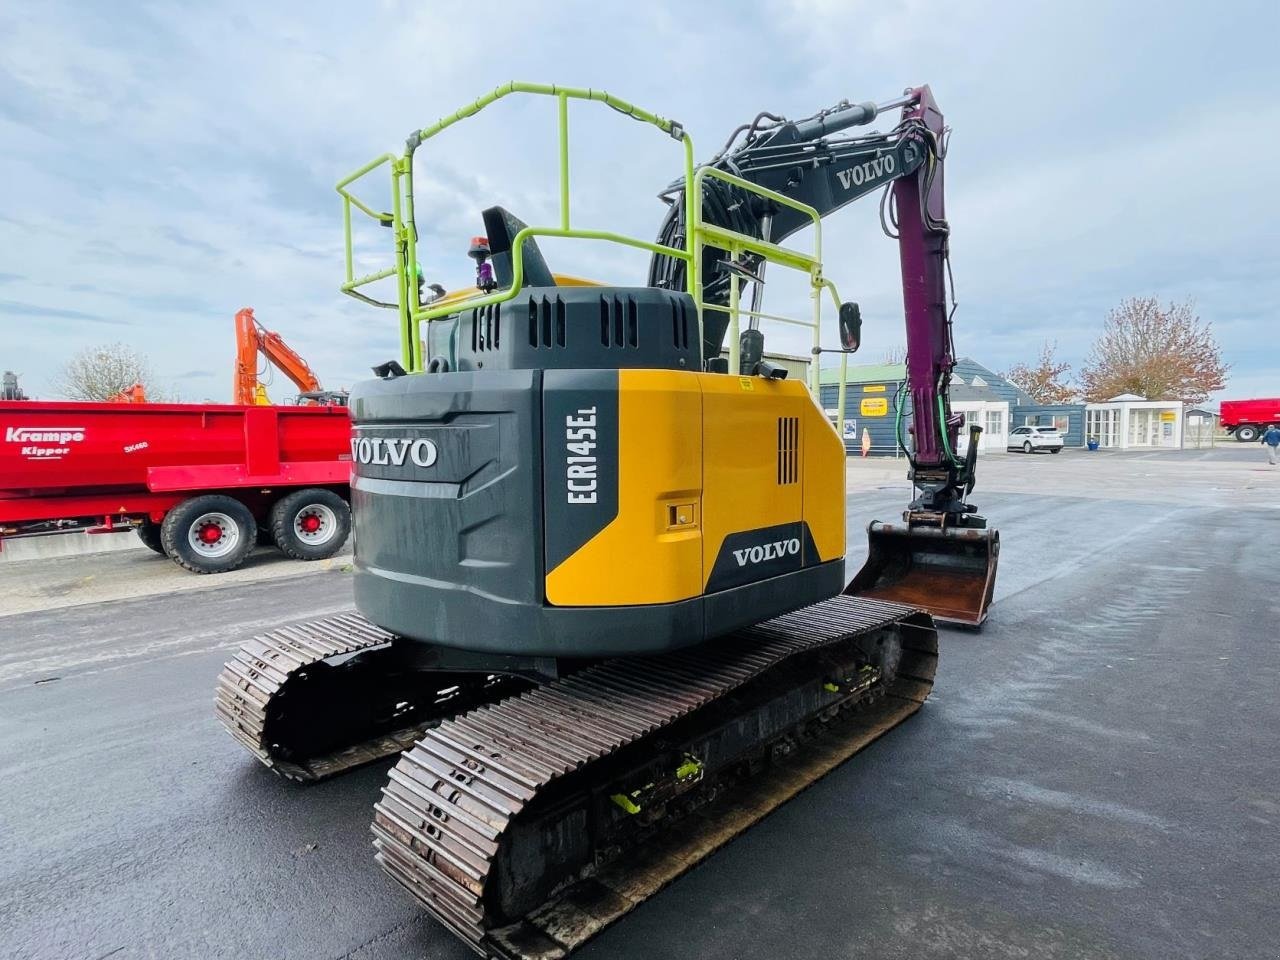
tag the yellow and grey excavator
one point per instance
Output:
(600, 566)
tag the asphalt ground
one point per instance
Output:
(1096, 775)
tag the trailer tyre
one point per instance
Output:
(1247, 433)
(149, 534)
(209, 534)
(310, 524)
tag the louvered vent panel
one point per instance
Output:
(619, 322)
(679, 324)
(486, 327)
(788, 450)
(547, 322)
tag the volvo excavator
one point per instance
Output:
(600, 568)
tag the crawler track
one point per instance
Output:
(318, 698)
(511, 792)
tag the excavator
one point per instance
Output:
(601, 604)
(253, 339)
(9, 388)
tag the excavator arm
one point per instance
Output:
(942, 557)
(253, 339)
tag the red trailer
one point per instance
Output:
(200, 483)
(1249, 419)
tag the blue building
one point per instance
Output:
(1067, 417)
(982, 395)
(871, 404)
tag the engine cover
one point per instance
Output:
(582, 512)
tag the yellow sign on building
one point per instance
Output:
(873, 388)
(1168, 416)
(874, 407)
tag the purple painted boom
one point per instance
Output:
(922, 248)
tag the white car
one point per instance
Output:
(1031, 439)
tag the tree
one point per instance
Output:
(97, 373)
(1045, 381)
(1160, 353)
(895, 354)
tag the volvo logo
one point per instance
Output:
(768, 551)
(867, 172)
(393, 451)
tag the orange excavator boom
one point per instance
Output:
(134, 394)
(253, 339)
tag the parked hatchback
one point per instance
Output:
(1031, 439)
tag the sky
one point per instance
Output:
(164, 165)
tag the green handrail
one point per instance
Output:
(402, 220)
(404, 228)
(735, 243)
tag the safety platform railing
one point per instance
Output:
(401, 220)
(736, 244)
(401, 217)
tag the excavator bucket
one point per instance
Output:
(949, 572)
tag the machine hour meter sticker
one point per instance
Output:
(874, 407)
(44, 443)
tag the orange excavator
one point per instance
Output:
(252, 338)
(134, 394)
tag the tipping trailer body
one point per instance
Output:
(1247, 420)
(107, 467)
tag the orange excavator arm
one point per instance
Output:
(251, 339)
(134, 394)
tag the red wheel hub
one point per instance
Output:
(310, 523)
(210, 533)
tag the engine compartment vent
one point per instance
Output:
(486, 328)
(547, 322)
(788, 450)
(619, 321)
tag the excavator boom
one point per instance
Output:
(253, 339)
(942, 557)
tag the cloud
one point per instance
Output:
(18, 309)
(167, 166)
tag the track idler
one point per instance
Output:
(949, 571)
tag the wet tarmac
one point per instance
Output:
(1096, 775)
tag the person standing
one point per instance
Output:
(1272, 439)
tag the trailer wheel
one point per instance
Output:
(310, 524)
(1247, 433)
(209, 534)
(149, 534)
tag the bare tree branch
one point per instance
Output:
(895, 354)
(97, 373)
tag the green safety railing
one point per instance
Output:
(401, 217)
(710, 235)
(401, 220)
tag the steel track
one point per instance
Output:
(449, 803)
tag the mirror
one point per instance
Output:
(850, 326)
